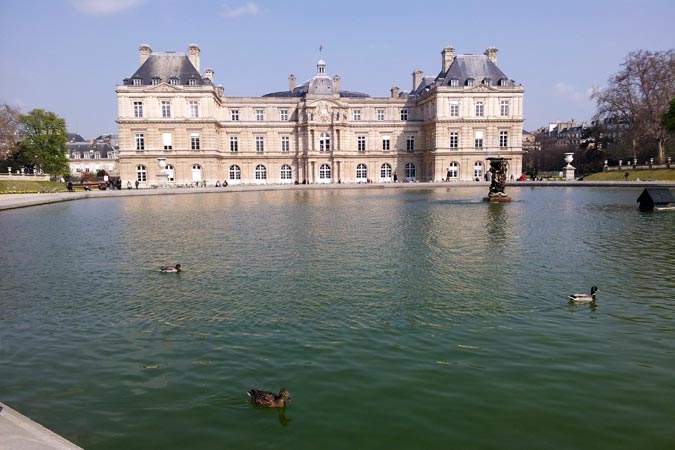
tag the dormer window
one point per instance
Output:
(173, 81)
(454, 82)
(470, 81)
(155, 81)
(192, 82)
(137, 81)
(504, 82)
(487, 81)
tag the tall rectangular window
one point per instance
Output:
(361, 143)
(283, 115)
(404, 114)
(454, 108)
(454, 139)
(480, 109)
(285, 143)
(166, 108)
(259, 143)
(380, 114)
(503, 139)
(194, 108)
(259, 115)
(478, 141)
(137, 81)
(234, 144)
(138, 109)
(410, 143)
(504, 108)
(140, 141)
(356, 114)
(194, 141)
(167, 141)
(234, 114)
(386, 143)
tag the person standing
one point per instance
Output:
(137, 183)
(625, 176)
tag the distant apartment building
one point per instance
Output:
(445, 126)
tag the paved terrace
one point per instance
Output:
(18, 432)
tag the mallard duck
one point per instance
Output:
(270, 399)
(584, 298)
(170, 269)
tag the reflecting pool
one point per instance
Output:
(397, 318)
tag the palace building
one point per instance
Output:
(171, 114)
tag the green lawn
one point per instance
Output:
(30, 187)
(643, 175)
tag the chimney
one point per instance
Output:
(491, 53)
(291, 82)
(193, 54)
(417, 79)
(395, 91)
(336, 84)
(208, 74)
(144, 51)
(447, 56)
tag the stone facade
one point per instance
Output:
(445, 127)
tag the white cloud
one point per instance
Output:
(247, 9)
(103, 7)
(570, 92)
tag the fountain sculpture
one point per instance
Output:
(498, 183)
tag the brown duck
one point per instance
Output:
(270, 399)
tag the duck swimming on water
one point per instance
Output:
(584, 298)
(270, 399)
(170, 269)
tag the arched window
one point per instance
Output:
(453, 171)
(141, 173)
(171, 171)
(385, 172)
(324, 142)
(410, 172)
(260, 173)
(361, 173)
(286, 173)
(324, 173)
(478, 170)
(235, 173)
(196, 172)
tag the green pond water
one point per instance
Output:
(411, 319)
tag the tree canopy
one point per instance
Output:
(638, 96)
(9, 117)
(668, 119)
(43, 142)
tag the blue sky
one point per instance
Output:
(67, 56)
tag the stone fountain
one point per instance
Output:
(498, 167)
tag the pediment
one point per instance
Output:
(482, 88)
(163, 87)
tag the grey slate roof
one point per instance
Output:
(82, 148)
(167, 65)
(74, 137)
(463, 68)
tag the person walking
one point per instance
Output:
(625, 176)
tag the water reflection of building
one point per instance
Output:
(316, 132)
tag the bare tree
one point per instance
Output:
(9, 117)
(638, 96)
